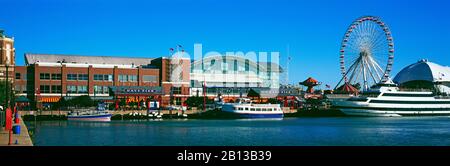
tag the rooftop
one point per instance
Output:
(79, 59)
(423, 70)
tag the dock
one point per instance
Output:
(22, 139)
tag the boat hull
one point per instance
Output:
(99, 118)
(392, 113)
(352, 108)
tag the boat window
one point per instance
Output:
(246, 108)
(252, 109)
(240, 109)
(408, 95)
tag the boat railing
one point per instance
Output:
(333, 96)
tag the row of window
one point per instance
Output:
(19, 76)
(50, 89)
(97, 77)
(256, 109)
(77, 89)
(73, 89)
(48, 76)
(103, 77)
(101, 89)
(225, 66)
(79, 77)
(127, 78)
(20, 89)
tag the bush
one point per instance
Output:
(197, 101)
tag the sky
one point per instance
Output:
(313, 30)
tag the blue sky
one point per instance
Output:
(312, 29)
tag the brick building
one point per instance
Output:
(7, 54)
(46, 78)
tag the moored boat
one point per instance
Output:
(386, 99)
(99, 114)
(244, 108)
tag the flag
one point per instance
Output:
(171, 49)
(328, 86)
(180, 46)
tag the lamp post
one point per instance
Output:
(7, 88)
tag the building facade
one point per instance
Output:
(47, 78)
(233, 76)
(7, 56)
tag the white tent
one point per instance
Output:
(423, 70)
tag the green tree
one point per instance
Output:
(253, 94)
(3, 91)
(81, 101)
(273, 101)
(197, 101)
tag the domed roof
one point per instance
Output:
(423, 70)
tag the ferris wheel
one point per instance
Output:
(367, 52)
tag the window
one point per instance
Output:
(56, 76)
(82, 89)
(105, 90)
(247, 65)
(44, 76)
(17, 76)
(17, 88)
(110, 78)
(132, 78)
(103, 77)
(24, 89)
(148, 78)
(56, 89)
(44, 88)
(83, 77)
(71, 89)
(101, 89)
(98, 77)
(176, 90)
(71, 77)
(123, 78)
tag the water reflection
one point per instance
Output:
(264, 132)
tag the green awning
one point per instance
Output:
(22, 99)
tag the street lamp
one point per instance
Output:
(7, 88)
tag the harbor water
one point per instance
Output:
(327, 131)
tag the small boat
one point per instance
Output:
(99, 114)
(244, 108)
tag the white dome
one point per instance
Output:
(423, 71)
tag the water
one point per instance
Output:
(287, 132)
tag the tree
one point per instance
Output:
(81, 101)
(197, 101)
(252, 93)
(273, 101)
(3, 93)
